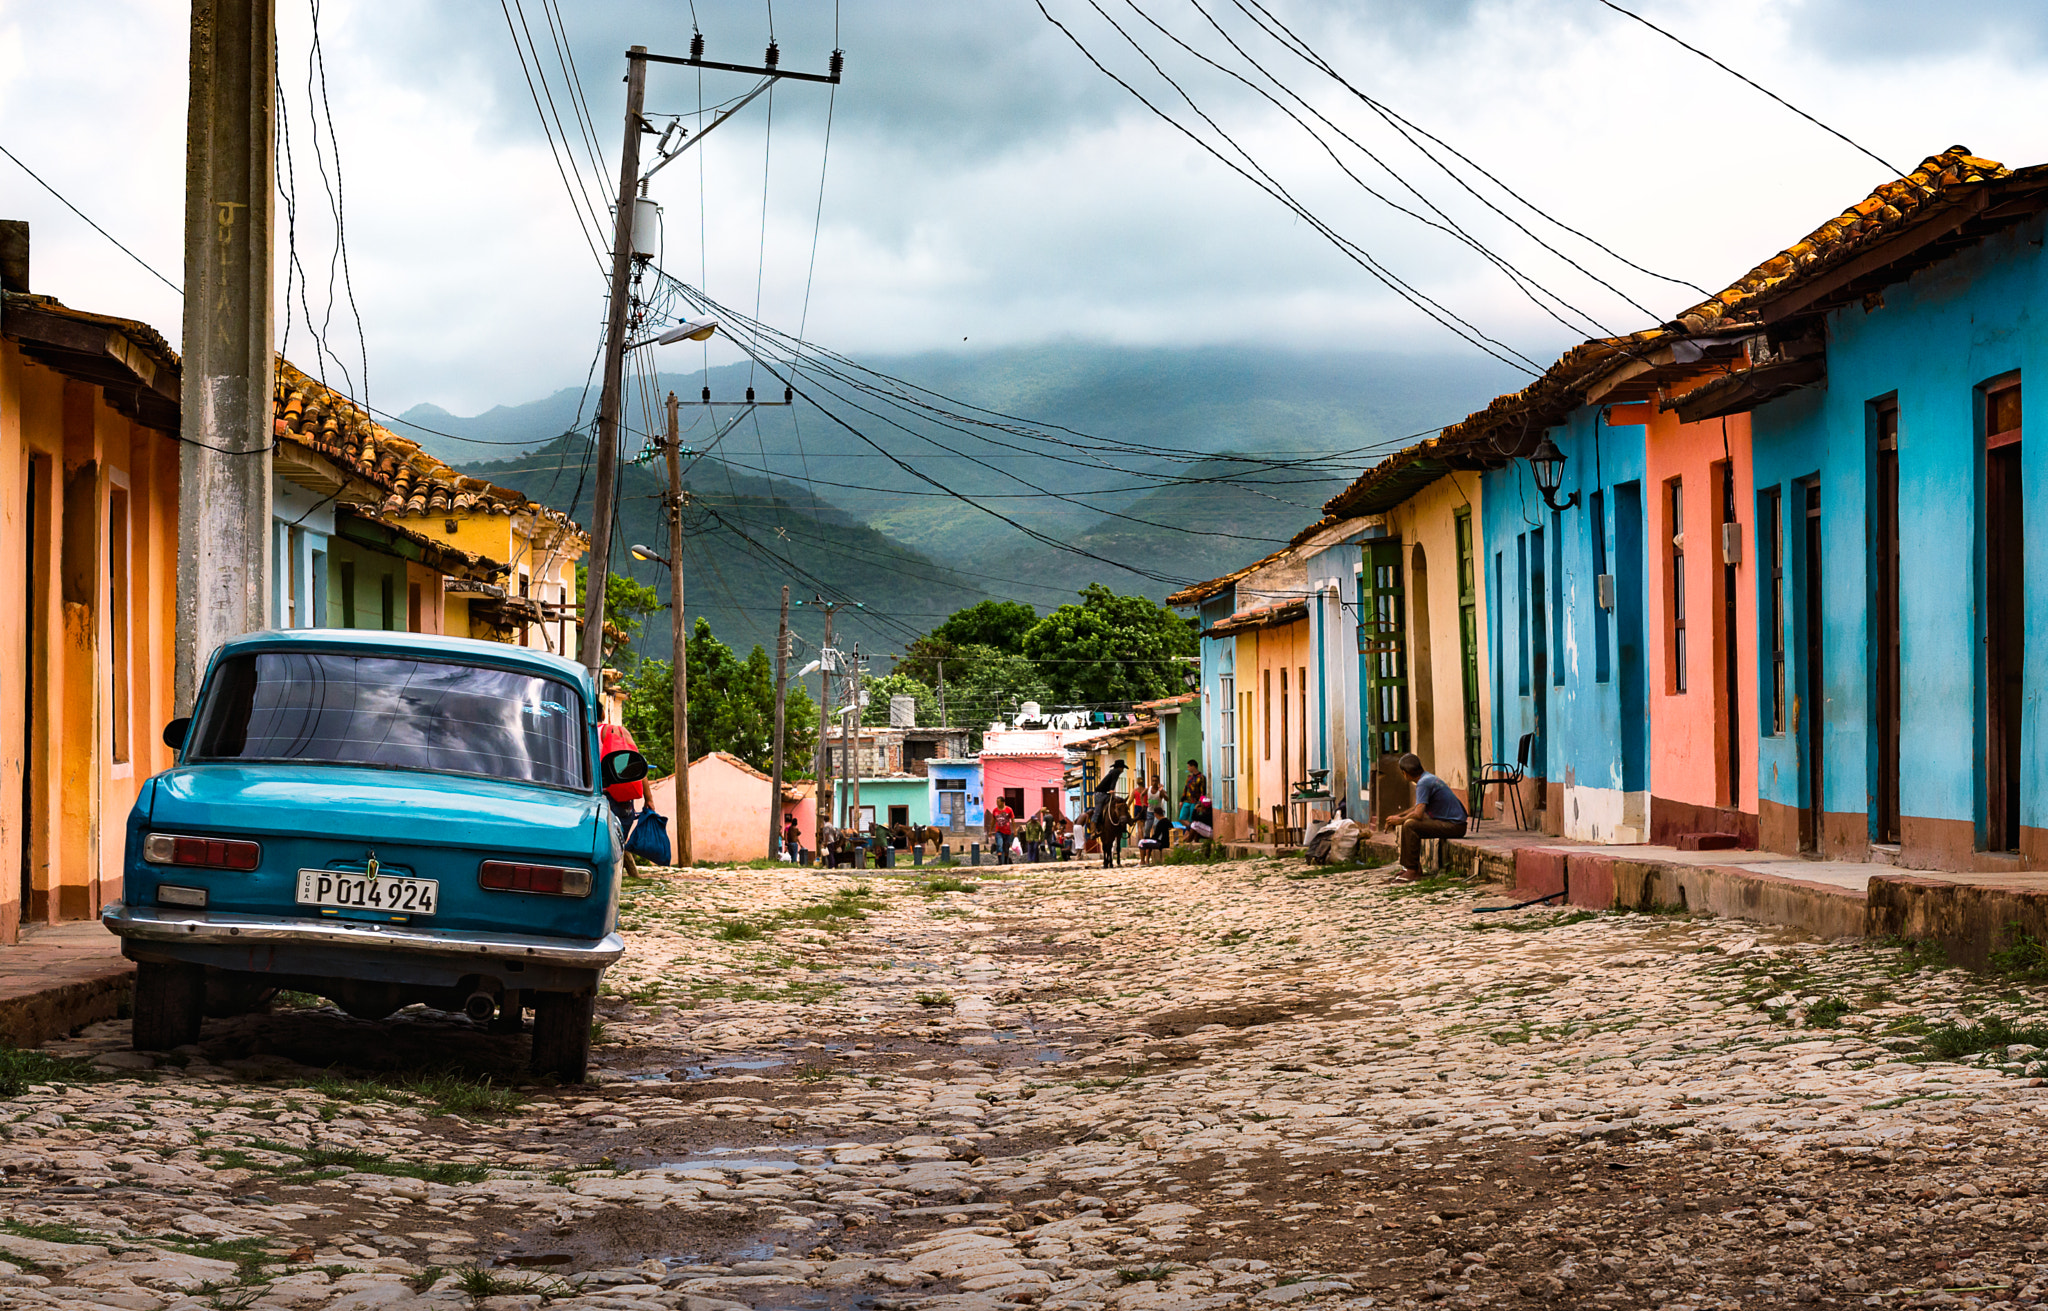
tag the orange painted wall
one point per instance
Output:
(728, 810)
(1690, 732)
(84, 690)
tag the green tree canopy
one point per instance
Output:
(732, 708)
(879, 691)
(1110, 649)
(1000, 624)
(626, 603)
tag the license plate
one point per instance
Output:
(395, 895)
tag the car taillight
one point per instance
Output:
(556, 880)
(209, 853)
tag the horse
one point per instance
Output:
(912, 836)
(1109, 821)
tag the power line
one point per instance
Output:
(89, 223)
(1626, 13)
(1429, 306)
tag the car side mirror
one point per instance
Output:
(624, 767)
(176, 731)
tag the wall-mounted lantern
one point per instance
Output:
(1547, 463)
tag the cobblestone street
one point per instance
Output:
(1225, 1085)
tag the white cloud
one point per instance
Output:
(986, 183)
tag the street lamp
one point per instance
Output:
(649, 553)
(697, 329)
(1547, 463)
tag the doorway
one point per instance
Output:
(2005, 615)
(1049, 801)
(34, 561)
(1014, 799)
(1468, 639)
(1631, 663)
(899, 815)
(1421, 680)
(1731, 660)
(1539, 669)
(1811, 725)
(1884, 621)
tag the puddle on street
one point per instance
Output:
(729, 1163)
(711, 1069)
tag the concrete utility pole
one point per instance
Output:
(679, 633)
(826, 804)
(600, 568)
(781, 695)
(854, 714)
(224, 464)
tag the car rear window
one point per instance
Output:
(325, 707)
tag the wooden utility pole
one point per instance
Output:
(781, 695)
(608, 403)
(826, 803)
(224, 532)
(679, 632)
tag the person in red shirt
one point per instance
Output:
(624, 797)
(1002, 823)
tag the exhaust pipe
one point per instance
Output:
(480, 1007)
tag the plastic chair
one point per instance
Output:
(1507, 777)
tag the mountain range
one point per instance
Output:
(1165, 466)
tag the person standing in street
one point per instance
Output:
(1194, 790)
(1437, 813)
(1002, 826)
(1034, 837)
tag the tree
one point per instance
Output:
(1000, 624)
(990, 685)
(1110, 649)
(879, 691)
(626, 603)
(732, 708)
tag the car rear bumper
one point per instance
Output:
(346, 948)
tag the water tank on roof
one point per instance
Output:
(1029, 710)
(903, 712)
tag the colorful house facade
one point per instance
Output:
(89, 458)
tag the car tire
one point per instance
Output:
(561, 1033)
(170, 1001)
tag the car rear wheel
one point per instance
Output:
(561, 1033)
(170, 1000)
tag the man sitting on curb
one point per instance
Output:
(1437, 813)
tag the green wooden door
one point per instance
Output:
(1383, 642)
(1468, 639)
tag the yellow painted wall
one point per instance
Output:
(1435, 673)
(85, 686)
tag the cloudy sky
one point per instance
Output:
(986, 185)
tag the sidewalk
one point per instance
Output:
(1970, 914)
(58, 978)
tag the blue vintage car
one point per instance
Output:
(381, 819)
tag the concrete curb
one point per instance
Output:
(1969, 920)
(1592, 878)
(30, 1019)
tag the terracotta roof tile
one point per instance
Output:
(1511, 424)
(311, 414)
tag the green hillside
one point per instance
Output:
(814, 493)
(744, 538)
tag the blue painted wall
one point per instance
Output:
(1588, 731)
(1219, 661)
(1933, 341)
(1339, 671)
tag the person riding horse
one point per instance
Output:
(1110, 817)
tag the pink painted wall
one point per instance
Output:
(1689, 731)
(728, 809)
(1032, 773)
